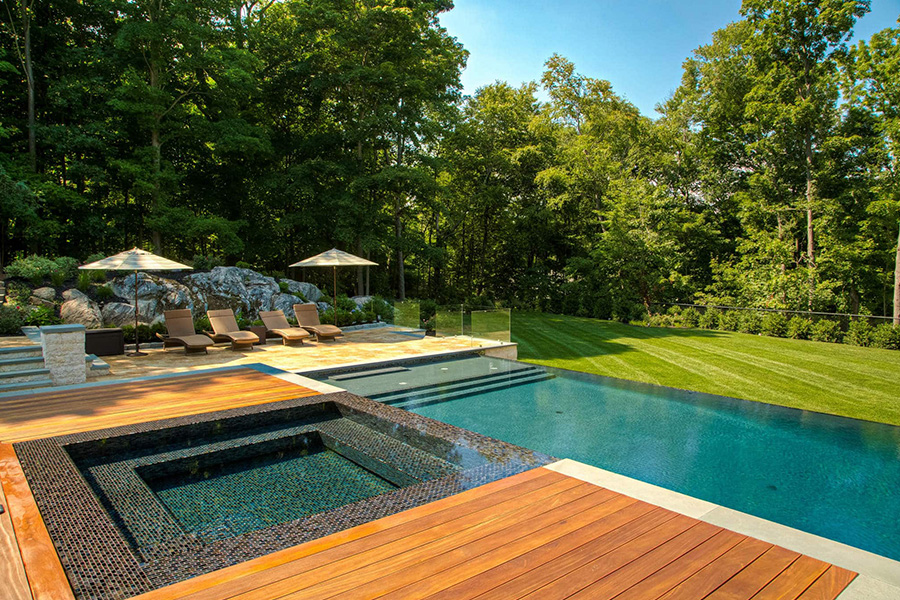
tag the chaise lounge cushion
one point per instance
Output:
(277, 323)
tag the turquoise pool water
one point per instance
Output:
(831, 476)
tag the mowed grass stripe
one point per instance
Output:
(833, 378)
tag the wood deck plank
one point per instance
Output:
(720, 571)
(324, 582)
(477, 577)
(829, 585)
(12, 571)
(794, 580)
(46, 414)
(46, 578)
(757, 575)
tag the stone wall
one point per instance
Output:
(63, 348)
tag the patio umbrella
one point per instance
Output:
(334, 258)
(135, 260)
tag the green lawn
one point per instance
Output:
(863, 383)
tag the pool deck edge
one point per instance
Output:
(879, 576)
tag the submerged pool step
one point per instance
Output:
(458, 384)
(437, 396)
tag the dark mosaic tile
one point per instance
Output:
(118, 502)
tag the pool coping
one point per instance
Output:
(879, 576)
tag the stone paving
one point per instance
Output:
(367, 345)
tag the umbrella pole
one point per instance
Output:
(137, 337)
(334, 283)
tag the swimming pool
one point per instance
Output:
(831, 476)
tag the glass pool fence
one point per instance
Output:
(476, 322)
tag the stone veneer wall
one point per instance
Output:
(63, 347)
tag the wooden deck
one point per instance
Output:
(538, 535)
(47, 414)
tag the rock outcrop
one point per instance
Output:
(300, 288)
(117, 314)
(78, 308)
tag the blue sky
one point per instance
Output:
(638, 45)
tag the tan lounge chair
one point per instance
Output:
(225, 329)
(308, 318)
(276, 323)
(180, 325)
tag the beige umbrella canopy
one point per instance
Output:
(135, 260)
(334, 258)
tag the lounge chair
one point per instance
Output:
(276, 323)
(181, 333)
(308, 318)
(225, 329)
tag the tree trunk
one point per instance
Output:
(810, 245)
(897, 285)
(29, 79)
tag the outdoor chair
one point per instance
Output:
(225, 329)
(277, 323)
(181, 333)
(308, 318)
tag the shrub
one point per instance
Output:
(42, 315)
(12, 318)
(17, 293)
(710, 318)
(34, 268)
(886, 336)
(147, 333)
(799, 328)
(751, 322)
(202, 324)
(825, 330)
(344, 317)
(284, 287)
(346, 304)
(427, 309)
(274, 274)
(68, 266)
(774, 324)
(674, 311)
(241, 264)
(379, 308)
(57, 277)
(206, 263)
(84, 280)
(242, 321)
(690, 317)
(98, 276)
(104, 292)
(730, 320)
(859, 333)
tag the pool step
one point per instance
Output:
(473, 381)
(453, 392)
(25, 385)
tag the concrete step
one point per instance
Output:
(418, 401)
(21, 363)
(24, 385)
(30, 350)
(24, 375)
(452, 386)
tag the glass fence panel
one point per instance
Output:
(406, 314)
(448, 321)
(490, 324)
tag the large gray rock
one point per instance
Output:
(80, 309)
(322, 306)
(361, 300)
(285, 303)
(45, 293)
(117, 314)
(242, 290)
(155, 295)
(307, 290)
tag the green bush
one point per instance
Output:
(346, 304)
(242, 264)
(379, 308)
(147, 333)
(730, 320)
(284, 287)
(859, 333)
(68, 266)
(93, 275)
(774, 325)
(799, 328)
(825, 330)
(344, 317)
(42, 315)
(33, 268)
(690, 317)
(104, 292)
(751, 322)
(17, 293)
(12, 318)
(242, 321)
(201, 324)
(674, 311)
(206, 263)
(84, 280)
(886, 336)
(710, 318)
(427, 309)
(57, 277)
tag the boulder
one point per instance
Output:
(35, 301)
(301, 288)
(322, 306)
(285, 303)
(117, 314)
(155, 295)
(361, 300)
(242, 290)
(80, 309)
(44, 293)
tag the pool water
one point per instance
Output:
(831, 476)
(242, 496)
